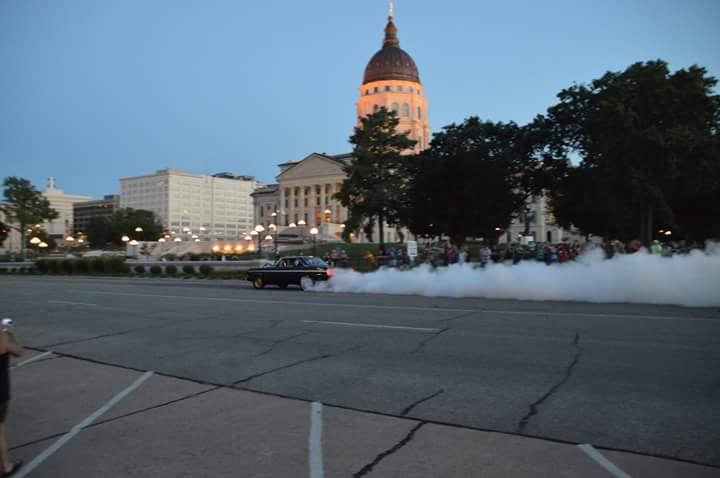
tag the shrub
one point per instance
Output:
(169, 257)
(124, 268)
(81, 266)
(98, 265)
(155, 269)
(206, 269)
(139, 269)
(67, 266)
(42, 266)
(53, 266)
(188, 269)
(171, 269)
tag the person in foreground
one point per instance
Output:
(8, 346)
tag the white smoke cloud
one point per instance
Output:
(690, 280)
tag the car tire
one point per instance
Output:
(258, 283)
(306, 283)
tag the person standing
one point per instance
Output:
(8, 346)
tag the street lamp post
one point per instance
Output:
(275, 229)
(258, 229)
(314, 232)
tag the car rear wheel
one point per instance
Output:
(258, 283)
(306, 283)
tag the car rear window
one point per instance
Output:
(315, 262)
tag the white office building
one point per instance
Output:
(63, 203)
(217, 207)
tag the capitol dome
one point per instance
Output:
(391, 62)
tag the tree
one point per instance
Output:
(471, 181)
(127, 221)
(24, 205)
(100, 232)
(377, 179)
(648, 143)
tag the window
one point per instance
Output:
(367, 92)
(317, 200)
(287, 203)
(306, 218)
(406, 110)
(419, 115)
(287, 191)
(318, 190)
(400, 88)
(306, 202)
(296, 202)
(376, 108)
(296, 218)
(394, 107)
(549, 237)
(376, 90)
(388, 88)
(307, 190)
(410, 89)
(297, 191)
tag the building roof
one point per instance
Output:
(268, 189)
(391, 62)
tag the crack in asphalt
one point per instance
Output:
(280, 342)
(247, 333)
(427, 339)
(410, 407)
(119, 417)
(533, 408)
(293, 364)
(381, 456)
(277, 369)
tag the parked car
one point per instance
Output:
(302, 271)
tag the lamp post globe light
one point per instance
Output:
(314, 232)
(138, 229)
(35, 240)
(125, 238)
(301, 222)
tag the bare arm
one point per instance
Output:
(8, 344)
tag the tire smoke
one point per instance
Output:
(689, 280)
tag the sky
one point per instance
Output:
(95, 90)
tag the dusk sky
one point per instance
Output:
(94, 90)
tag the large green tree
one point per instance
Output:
(377, 179)
(647, 143)
(126, 221)
(472, 181)
(24, 205)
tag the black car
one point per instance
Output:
(294, 270)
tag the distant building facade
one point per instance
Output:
(85, 212)
(12, 243)
(217, 207)
(63, 204)
(266, 201)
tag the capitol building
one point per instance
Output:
(303, 196)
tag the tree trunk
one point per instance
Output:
(381, 230)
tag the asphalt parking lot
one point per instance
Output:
(221, 380)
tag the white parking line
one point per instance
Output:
(68, 302)
(598, 457)
(315, 441)
(27, 469)
(31, 359)
(373, 326)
